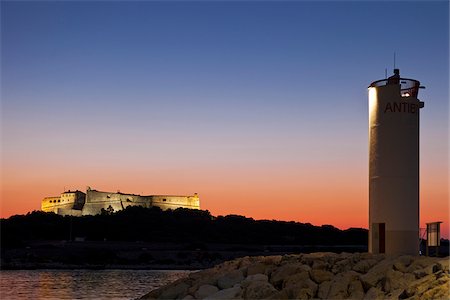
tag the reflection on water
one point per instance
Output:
(82, 284)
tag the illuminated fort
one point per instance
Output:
(93, 202)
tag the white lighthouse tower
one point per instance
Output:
(394, 165)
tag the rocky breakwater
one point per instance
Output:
(316, 275)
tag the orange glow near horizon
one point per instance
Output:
(273, 192)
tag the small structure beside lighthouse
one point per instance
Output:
(394, 110)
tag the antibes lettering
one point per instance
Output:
(401, 107)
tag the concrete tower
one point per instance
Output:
(394, 165)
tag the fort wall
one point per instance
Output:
(94, 202)
(173, 202)
(112, 202)
(67, 200)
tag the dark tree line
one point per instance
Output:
(179, 226)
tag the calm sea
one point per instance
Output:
(82, 284)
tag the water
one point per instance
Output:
(82, 284)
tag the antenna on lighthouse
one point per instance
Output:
(394, 59)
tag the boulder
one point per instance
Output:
(364, 265)
(319, 259)
(209, 276)
(283, 294)
(340, 284)
(320, 265)
(421, 285)
(257, 277)
(177, 291)
(355, 290)
(342, 266)
(259, 289)
(296, 279)
(283, 272)
(324, 289)
(256, 268)
(231, 293)
(230, 279)
(440, 291)
(374, 294)
(395, 294)
(419, 263)
(397, 280)
(443, 265)
(271, 260)
(402, 262)
(319, 275)
(376, 274)
(305, 289)
(205, 291)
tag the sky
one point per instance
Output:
(261, 107)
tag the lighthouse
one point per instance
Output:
(394, 110)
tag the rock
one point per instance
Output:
(257, 268)
(205, 277)
(340, 283)
(364, 265)
(176, 291)
(230, 293)
(374, 294)
(402, 262)
(320, 276)
(230, 279)
(252, 278)
(283, 294)
(259, 290)
(443, 265)
(324, 289)
(342, 266)
(283, 272)
(227, 266)
(188, 297)
(420, 263)
(271, 260)
(355, 290)
(257, 277)
(205, 291)
(320, 265)
(305, 289)
(421, 285)
(318, 258)
(244, 262)
(397, 280)
(376, 273)
(441, 291)
(423, 272)
(395, 294)
(291, 259)
(296, 279)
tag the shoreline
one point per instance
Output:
(98, 255)
(30, 267)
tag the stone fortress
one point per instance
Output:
(93, 202)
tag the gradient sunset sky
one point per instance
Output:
(260, 107)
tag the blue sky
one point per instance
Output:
(154, 86)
